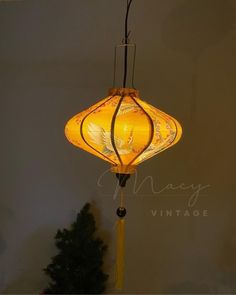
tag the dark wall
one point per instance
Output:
(56, 59)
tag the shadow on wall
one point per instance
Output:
(6, 217)
(197, 25)
(219, 286)
(227, 256)
(33, 256)
(224, 281)
(2, 245)
(189, 288)
(2, 250)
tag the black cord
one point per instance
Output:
(126, 40)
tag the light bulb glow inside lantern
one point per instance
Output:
(123, 130)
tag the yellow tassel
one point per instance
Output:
(120, 252)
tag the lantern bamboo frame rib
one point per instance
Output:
(113, 129)
(82, 135)
(151, 133)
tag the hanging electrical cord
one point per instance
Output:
(126, 41)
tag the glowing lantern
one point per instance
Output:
(123, 130)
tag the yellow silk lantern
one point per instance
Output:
(123, 130)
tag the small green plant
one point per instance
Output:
(77, 268)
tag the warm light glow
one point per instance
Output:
(123, 130)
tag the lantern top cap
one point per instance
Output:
(124, 92)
